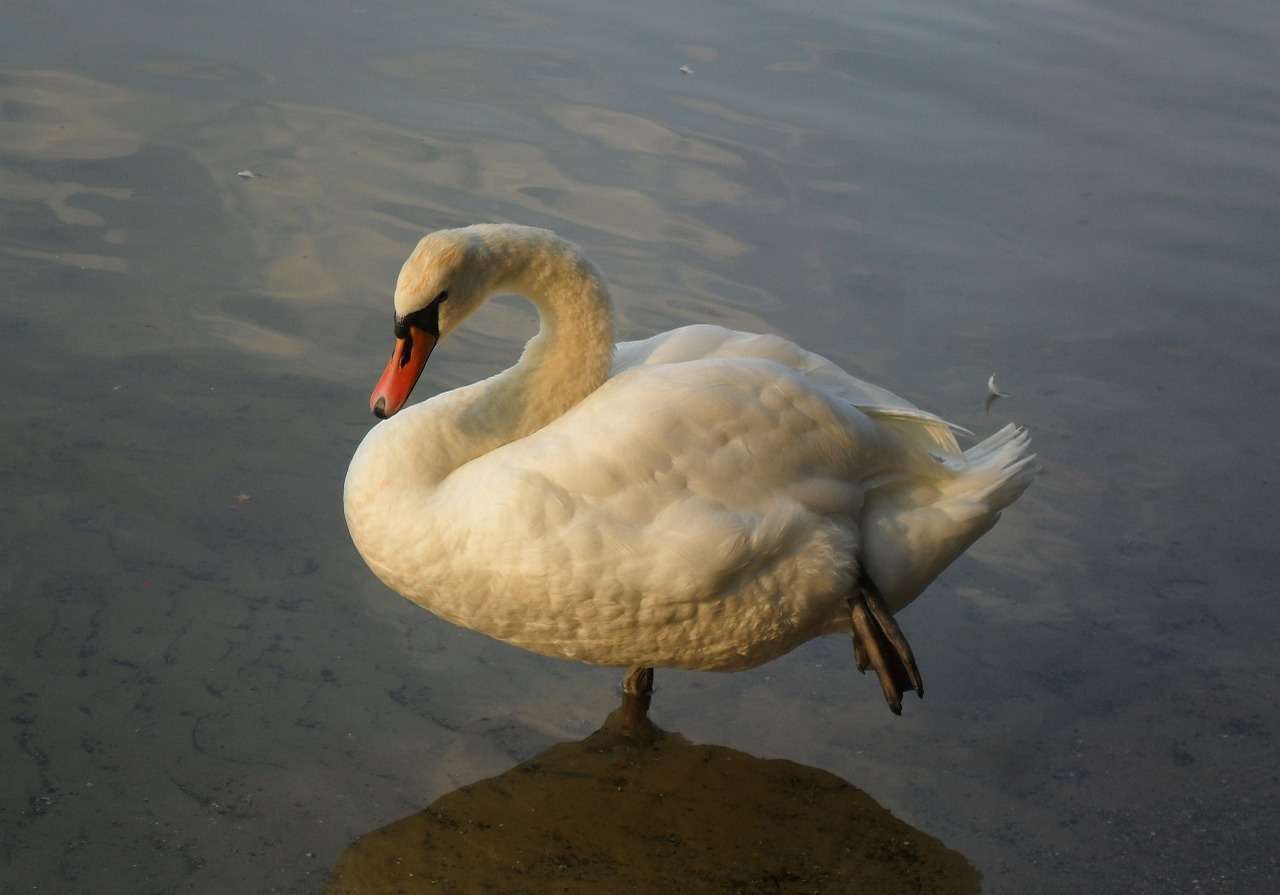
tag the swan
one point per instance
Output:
(702, 499)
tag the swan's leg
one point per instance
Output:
(878, 643)
(638, 682)
(637, 691)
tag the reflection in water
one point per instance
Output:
(652, 814)
(320, 232)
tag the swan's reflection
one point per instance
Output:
(647, 811)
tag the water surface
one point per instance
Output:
(206, 690)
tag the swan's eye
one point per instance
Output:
(442, 297)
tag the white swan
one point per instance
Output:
(702, 499)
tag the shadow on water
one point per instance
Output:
(652, 813)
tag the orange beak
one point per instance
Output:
(407, 362)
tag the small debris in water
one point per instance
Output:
(242, 500)
(686, 70)
(993, 393)
(248, 175)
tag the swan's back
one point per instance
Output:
(705, 341)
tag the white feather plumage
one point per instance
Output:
(700, 499)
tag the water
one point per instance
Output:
(204, 688)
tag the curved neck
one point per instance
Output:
(406, 458)
(572, 353)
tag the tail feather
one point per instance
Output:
(915, 528)
(1000, 469)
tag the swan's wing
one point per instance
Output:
(741, 430)
(706, 341)
(697, 452)
(720, 491)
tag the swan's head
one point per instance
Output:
(447, 277)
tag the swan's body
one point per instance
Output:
(702, 499)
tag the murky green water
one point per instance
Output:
(206, 690)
